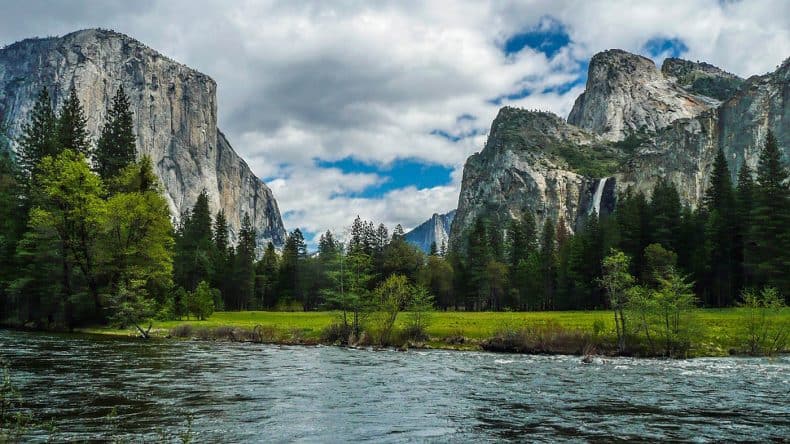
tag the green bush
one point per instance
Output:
(764, 333)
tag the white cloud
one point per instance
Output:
(300, 80)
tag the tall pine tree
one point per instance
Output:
(720, 229)
(770, 232)
(116, 145)
(72, 132)
(39, 139)
(244, 269)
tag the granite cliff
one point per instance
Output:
(175, 117)
(633, 125)
(434, 230)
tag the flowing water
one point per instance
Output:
(263, 393)
(597, 195)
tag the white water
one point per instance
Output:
(596, 206)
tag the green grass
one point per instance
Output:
(720, 328)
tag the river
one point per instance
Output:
(263, 393)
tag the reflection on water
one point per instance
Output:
(251, 392)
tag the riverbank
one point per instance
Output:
(719, 332)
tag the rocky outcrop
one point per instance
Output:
(434, 230)
(632, 126)
(175, 117)
(701, 78)
(627, 94)
(525, 167)
(684, 151)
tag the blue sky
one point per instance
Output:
(371, 109)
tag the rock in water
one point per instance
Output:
(436, 229)
(175, 117)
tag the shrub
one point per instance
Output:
(336, 332)
(182, 331)
(549, 337)
(764, 334)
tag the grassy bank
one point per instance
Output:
(720, 331)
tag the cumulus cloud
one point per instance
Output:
(383, 81)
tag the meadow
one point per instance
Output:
(718, 332)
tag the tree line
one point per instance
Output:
(86, 237)
(738, 238)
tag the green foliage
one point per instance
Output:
(10, 226)
(673, 302)
(266, 277)
(244, 267)
(617, 281)
(115, 148)
(419, 314)
(764, 333)
(349, 292)
(590, 161)
(200, 302)
(131, 305)
(770, 237)
(193, 246)
(71, 207)
(292, 285)
(721, 88)
(137, 239)
(72, 133)
(658, 262)
(39, 139)
(390, 297)
(437, 276)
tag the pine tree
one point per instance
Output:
(266, 277)
(221, 267)
(116, 145)
(770, 232)
(72, 132)
(665, 214)
(633, 223)
(744, 198)
(478, 256)
(194, 244)
(521, 244)
(719, 205)
(10, 226)
(291, 284)
(244, 268)
(548, 261)
(38, 140)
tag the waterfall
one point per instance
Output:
(596, 203)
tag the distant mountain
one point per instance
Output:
(436, 229)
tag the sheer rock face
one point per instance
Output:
(518, 169)
(626, 93)
(517, 172)
(436, 229)
(175, 117)
(684, 151)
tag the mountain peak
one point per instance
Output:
(626, 93)
(434, 230)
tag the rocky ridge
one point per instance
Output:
(632, 126)
(175, 117)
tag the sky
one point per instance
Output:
(367, 108)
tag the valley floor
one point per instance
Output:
(717, 332)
